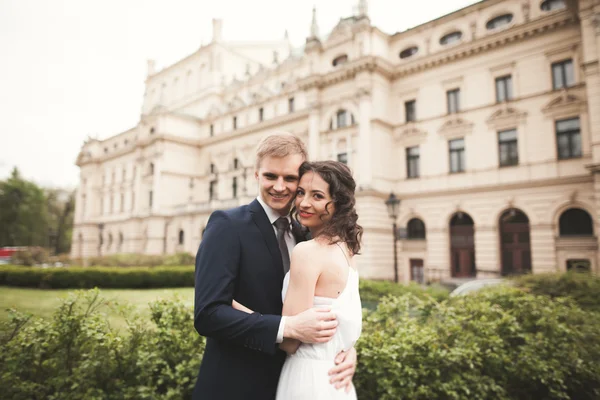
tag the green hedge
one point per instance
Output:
(373, 291)
(581, 287)
(102, 277)
(502, 343)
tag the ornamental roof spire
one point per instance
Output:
(314, 28)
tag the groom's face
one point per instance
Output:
(278, 180)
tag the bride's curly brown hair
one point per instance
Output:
(342, 226)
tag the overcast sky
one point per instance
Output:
(73, 68)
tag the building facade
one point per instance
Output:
(485, 123)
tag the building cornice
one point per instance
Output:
(264, 125)
(498, 187)
(484, 44)
(370, 64)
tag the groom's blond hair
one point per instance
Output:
(280, 144)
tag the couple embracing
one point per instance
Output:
(276, 289)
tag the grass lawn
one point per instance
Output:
(42, 303)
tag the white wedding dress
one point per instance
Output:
(305, 374)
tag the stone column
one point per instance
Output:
(487, 258)
(137, 182)
(590, 41)
(156, 187)
(364, 168)
(313, 134)
(543, 249)
(438, 254)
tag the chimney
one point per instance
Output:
(217, 30)
(151, 67)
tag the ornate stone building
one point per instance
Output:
(485, 123)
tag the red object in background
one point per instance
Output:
(7, 252)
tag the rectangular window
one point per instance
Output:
(457, 155)
(412, 162)
(234, 187)
(150, 198)
(122, 202)
(508, 151)
(563, 74)
(343, 158)
(341, 119)
(291, 104)
(132, 200)
(211, 190)
(112, 204)
(212, 130)
(568, 138)
(234, 123)
(504, 89)
(453, 99)
(410, 110)
(261, 114)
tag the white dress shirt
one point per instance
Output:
(289, 241)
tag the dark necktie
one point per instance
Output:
(283, 226)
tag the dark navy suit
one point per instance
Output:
(239, 259)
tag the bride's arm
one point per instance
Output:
(304, 273)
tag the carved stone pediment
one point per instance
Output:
(564, 105)
(236, 103)
(506, 117)
(341, 32)
(410, 135)
(455, 127)
(213, 112)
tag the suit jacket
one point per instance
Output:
(239, 259)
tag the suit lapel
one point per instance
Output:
(266, 229)
(300, 233)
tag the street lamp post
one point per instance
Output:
(393, 204)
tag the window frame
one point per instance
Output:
(413, 159)
(563, 72)
(449, 95)
(461, 154)
(508, 143)
(570, 133)
(410, 115)
(504, 81)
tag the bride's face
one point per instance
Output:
(313, 201)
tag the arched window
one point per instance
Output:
(236, 163)
(499, 21)
(409, 52)
(151, 169)
(450, 38)
(343, 118)
(181, 236)
(551, 5)
(415, 229)
(212, 168)
(575, 222)
(339, 60)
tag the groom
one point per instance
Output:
(244, 255)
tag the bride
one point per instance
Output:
(322, 273)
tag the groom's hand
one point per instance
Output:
(342, 374)
(315, 325)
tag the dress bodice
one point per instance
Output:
(348, 310)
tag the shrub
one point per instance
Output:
(102, 277)
(501, 343)
(141, 260)
(31, 256)
(583, 288)
(373, 291)
(76, 355)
